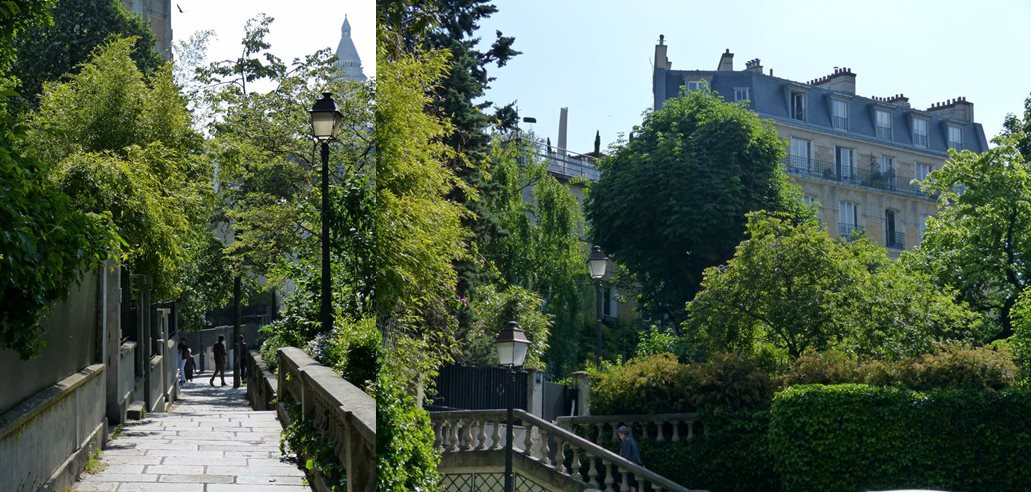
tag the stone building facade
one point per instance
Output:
(858, 159)
(159, 14)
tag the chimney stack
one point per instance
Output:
(563, 119)
(597, 143)
(841, 80)
(661, 62)
(958, 108)
(753, 65)
(726, 62)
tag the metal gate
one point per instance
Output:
(558, 401)
(477, 388)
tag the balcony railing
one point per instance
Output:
(840, 122)
(884, 132)
(846, 230)
(920, 140)
(566, 164)
(895, 240)
(872, 178)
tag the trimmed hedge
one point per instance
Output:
(732, 457)
(854, 437)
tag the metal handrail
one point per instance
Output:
(843, 173)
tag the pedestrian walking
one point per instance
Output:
(219, 351)
(628, 446)
(191, 365)
(183, 347)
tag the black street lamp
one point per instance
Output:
(596, 264)
(325, 125)
(511, 345)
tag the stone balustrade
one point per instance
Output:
(592, 466)
(262, 385)
(343, 414)
(601, 429)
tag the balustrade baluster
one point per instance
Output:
(690, 429)
(482, 436)
(496, 435)
(624, 486)
(545, 450)
(660, 429)
(610, 477)
(560, 456)
(437, 427)
(599, 440)
(582, 471)
(676, 431)
(528, 439)
(466, 443)
(592, 473)
(453, 439)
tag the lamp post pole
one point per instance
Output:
(326, 314)
(325, 124)
(509, 433)
(511, 345)
(597, 263)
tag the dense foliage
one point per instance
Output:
(405, 459)
(672, 200)
(122, 143)
(981, 239)
(856, 437)
(790, 287)
(16, 17)
(45, 246)
(49, 50)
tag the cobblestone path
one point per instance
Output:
(211, 441)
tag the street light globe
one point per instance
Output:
(597, 263)
(325, 118)
(512, 345)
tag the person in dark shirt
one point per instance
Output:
(219, 351)
(191, 365)
(628, 446)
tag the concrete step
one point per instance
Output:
(135, 411)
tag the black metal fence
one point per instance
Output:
(477, 388)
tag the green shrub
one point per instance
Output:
(857, 437)
(656, 384)
(360, 348)
(829, 367)
(960, 368)
(729, 383)
(406, 460)
(731, 456)
(655, 341)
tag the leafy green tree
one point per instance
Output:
(15, 18)
(48, 51)
(672, 200)
(123, 143)
(791, 287)
(980, 242)
(537, 245)
(491, 312)
(46, 245)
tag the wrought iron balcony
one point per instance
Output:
(566, 164)
(846, 230)
(895, 240)
(840, 122)
(920, 139)
(871, 178)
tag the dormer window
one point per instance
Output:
(882, 122)
(798, 106)
(839, 114)
(741, 94)
(920, 132)
(955, 137)
(697, 85)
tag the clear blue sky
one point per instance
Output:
(595, 57)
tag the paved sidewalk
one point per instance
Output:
(210, 442)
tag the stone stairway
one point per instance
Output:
(211, 441)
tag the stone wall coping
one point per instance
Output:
(606, 419)
(356, 405)
(22, 413)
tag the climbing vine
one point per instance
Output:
(319, 455)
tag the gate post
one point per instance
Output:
(583, 393)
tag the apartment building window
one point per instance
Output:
(922, 170)
(741, 94)
(920, 132)
(798, 156)
(848, 219)
(955, 137)
(887, 164)
(846, 165)
(921, 228)
(611, 303)
(697, 85)
(893, 238)
(798, 105)
(808, 200)
(839, 114)
(883, 124)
